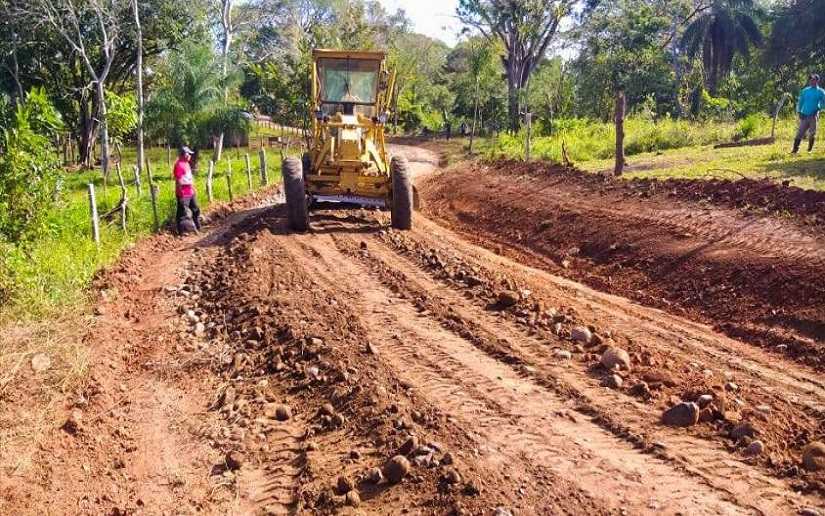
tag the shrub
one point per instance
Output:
(751, 126)
(28, 167)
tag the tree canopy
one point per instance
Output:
(559, 59)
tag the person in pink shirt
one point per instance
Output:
(185, 190)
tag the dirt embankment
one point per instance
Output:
(747, 257)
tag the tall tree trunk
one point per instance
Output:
(677, 67)
(104, 128)
(512, 104)
(87, 130)
(140, 152)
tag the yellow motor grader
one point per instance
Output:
(347, 162)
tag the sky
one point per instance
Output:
(433, 18)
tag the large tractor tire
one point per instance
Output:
(295, 191)
(402, 194)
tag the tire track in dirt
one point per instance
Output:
(504, 407)
(638, 322)
(752, 275)
(618, 413)
(791, 393)
(272, 486)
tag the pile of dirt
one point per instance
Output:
(746, 256)
(753, 196)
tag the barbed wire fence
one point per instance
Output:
(153, 196)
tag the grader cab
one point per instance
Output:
(347, 161)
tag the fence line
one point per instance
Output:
(161, 209)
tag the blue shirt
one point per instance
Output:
(811, 100)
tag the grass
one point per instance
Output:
(676, 149)
(54, 273)
(703, 162)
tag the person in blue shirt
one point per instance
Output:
(811, 100)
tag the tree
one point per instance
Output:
(525, 28)
(187, 107)
(10, 43)
(28, 165)
(795, 45)
(552, 93)
(44, 58)
(228, 32)
(721, 31)
(421, 93)
(87, 39)
(473, 74)
(623, 48)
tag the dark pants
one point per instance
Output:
(192, 205)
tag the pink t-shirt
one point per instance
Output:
(184, 181)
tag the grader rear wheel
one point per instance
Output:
(295, 191)
(402, 194)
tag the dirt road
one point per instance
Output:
(257, 371)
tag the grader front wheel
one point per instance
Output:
(402, 194)
(295, 191)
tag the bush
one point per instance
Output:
(752, 126)
(28, 168)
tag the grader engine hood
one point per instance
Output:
(349, 138)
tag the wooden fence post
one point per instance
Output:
(124, 198)
(248, 172)
(209, 180)
(528, 120)
(153, 191)
(149, 172)
(137, 180)
(620, 109)
(229, 177)
(262, 158)
(93, 211)
(168, 155)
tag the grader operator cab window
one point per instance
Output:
(348, 85)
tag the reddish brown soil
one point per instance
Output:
(370, 337)
(745, 256)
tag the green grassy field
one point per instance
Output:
(671, 149)
(55, 271)
(772, 161)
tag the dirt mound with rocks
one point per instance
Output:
(745, 256)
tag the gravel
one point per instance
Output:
(681, 414)
(581, 334)
(396, 469)
(813, 456)
(615, 358)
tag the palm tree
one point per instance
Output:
(721, 30)
(188, 106)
